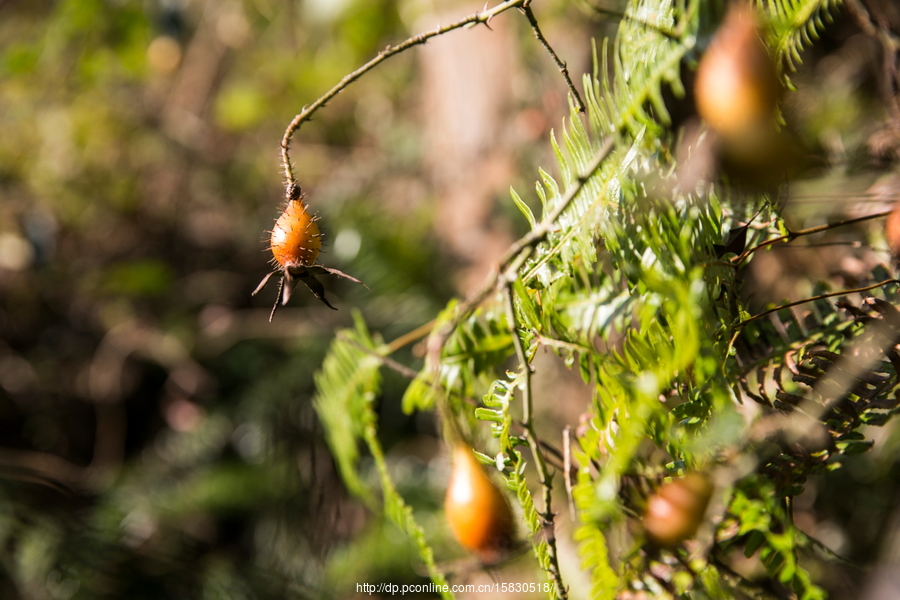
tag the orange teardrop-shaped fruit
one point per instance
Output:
(737, 88)
(892, 231)
(676, 510)
(477, 512)
(295, 240)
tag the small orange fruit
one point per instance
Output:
(478, 513)
(295, 240)
(295, 244)
(736, 88)
(737, 92)
(676, 510)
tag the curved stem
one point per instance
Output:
(792, 235)
(819, 297)
(306, 114)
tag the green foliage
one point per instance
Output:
(592, 546)
(795, 25)
(635, 284)
(469, 358)
(347, 386)
(162, 440)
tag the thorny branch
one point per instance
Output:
(482, 17)
(563, 68)
(792, 235)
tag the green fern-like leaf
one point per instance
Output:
(796, 24)
(534, 522)
(592, 547)
(396, 509)
(347, 386)
(468, 361)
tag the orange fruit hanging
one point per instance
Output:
(737, 89)
(676, 510)
(295, 243)
(477, 512)
(295, 240)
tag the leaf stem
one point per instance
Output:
(792, 235)
(819, 297)
(544, 477)
(411, 336)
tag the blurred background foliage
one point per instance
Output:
(157, 435)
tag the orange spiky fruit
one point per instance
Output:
(295, 243)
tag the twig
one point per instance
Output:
(792, 235)
(753, 589)
(819, 297)
(672, 35)
(544, 476)
(561, 345)
(563, 68)
(42, 467)
(387, 361)
(474, 19)
(849, 243)
(823, 548)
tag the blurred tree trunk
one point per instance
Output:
(467, 84)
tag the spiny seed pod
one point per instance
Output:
(676, 510)
(295, 240)
(736, 88)
(295, 244)
(477, 512)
